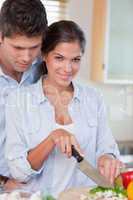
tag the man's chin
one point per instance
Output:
(22, 69)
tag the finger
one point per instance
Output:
(119, 166)
(101, 169)
(57, 142)
(68, 147)
(117, 172)
(106, 169)
(63, 144)
(101, 166)
(113, 169)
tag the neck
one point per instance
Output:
(13, 74)
(47, 85)
(57, 96)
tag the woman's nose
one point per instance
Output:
(68, 67)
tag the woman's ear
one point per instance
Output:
(43, 57)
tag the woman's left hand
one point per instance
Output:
(109, 167)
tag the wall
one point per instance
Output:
(80, 11)
(118, 98)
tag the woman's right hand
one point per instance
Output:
(64, 140)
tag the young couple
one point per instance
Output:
(45, 119)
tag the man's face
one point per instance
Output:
(18, 52)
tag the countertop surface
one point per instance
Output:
(72, 194)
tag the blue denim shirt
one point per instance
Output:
(32, 120)
(7, 85)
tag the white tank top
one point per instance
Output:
(63, 166)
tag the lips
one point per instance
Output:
(64, 76)
(23, 65)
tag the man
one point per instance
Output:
(22, 27)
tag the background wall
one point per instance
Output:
(81, 12)
(118, 98)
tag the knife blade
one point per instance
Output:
(89, 170)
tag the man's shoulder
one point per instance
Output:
(25, 93)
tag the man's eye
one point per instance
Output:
(35, 47)
(18, 48)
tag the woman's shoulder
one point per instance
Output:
(86, 90)
(90, 99)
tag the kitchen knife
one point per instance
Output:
(89, 170)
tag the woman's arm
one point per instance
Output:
(26, 162)
(107, 150)
(40, 153)
(106, 143)
(60, 138)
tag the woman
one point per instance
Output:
(56, 113)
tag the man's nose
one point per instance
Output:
(26, 56)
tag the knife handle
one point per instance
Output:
(76, 154)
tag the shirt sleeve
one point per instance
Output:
(106, 143)
(16, 146)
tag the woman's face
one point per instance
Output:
(63, 63)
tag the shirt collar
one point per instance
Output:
(30, 71)
(77, 92)
(1, 72)
(41, 97)
(39, 91)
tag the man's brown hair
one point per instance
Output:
(25, 17)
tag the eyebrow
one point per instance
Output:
(58, 54)
(21, 47)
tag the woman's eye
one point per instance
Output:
(76, 60)
(59, 58)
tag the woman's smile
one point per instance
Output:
(64, 76)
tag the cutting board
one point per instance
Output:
(73, 194)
